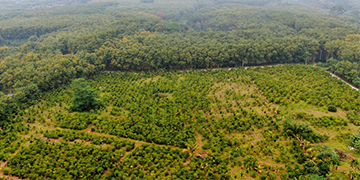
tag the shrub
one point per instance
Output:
(297, 128)
(6, 170)
(355, 140)
(332, 108)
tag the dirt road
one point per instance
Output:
(334, 75)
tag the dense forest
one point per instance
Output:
(165, 89)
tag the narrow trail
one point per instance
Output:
(334, 75)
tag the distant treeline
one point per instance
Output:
(43, 52)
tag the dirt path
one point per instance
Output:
(334, 75)
(247, 67)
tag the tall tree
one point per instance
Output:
(84, 97)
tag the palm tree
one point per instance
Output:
(355, 164)
(192, 147)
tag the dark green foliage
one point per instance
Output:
(300, 129)
(316, 177)
(295, 172)
(347, 70)
(354, 117)
(337, 10)
(6, 109)
(327, 159)
(26, 94)
(310, 167)
(332, 109)
(323, 168)
(84, 98)
(355, 141)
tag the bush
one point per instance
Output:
(332, 109)
(355, 141)
(297, 128)
(6, 170)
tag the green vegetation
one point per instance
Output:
(305, 84)
(332, 109)
(103, 89)
(191, 124)
(62, 160)
(84, 97)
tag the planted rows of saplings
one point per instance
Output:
(9, 143)
(329, 121)
(211, 128)
(236, 117)
(295, 83)
(154, 162)
(159, 109)
(354, 117)
(235, 110)
(170, 108)
(41, 160)
(230, 113)
(324, 121)
(218, 142)
(95, 139)
(169, 104)
(77, 161)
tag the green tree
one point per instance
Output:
(347, 70)
(355, 164)
(5, 108)
(337, 10)
(84, 97)
(332, 108)
(355, 141)
(26, 94)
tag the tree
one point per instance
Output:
(337, 10)
(84, 97)
(332, 108)
(347, 70)
(161, 14)
(354, 164)
(192, 148)
(341, 10)
(355, 141)
(5, 108)
(26, 93)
